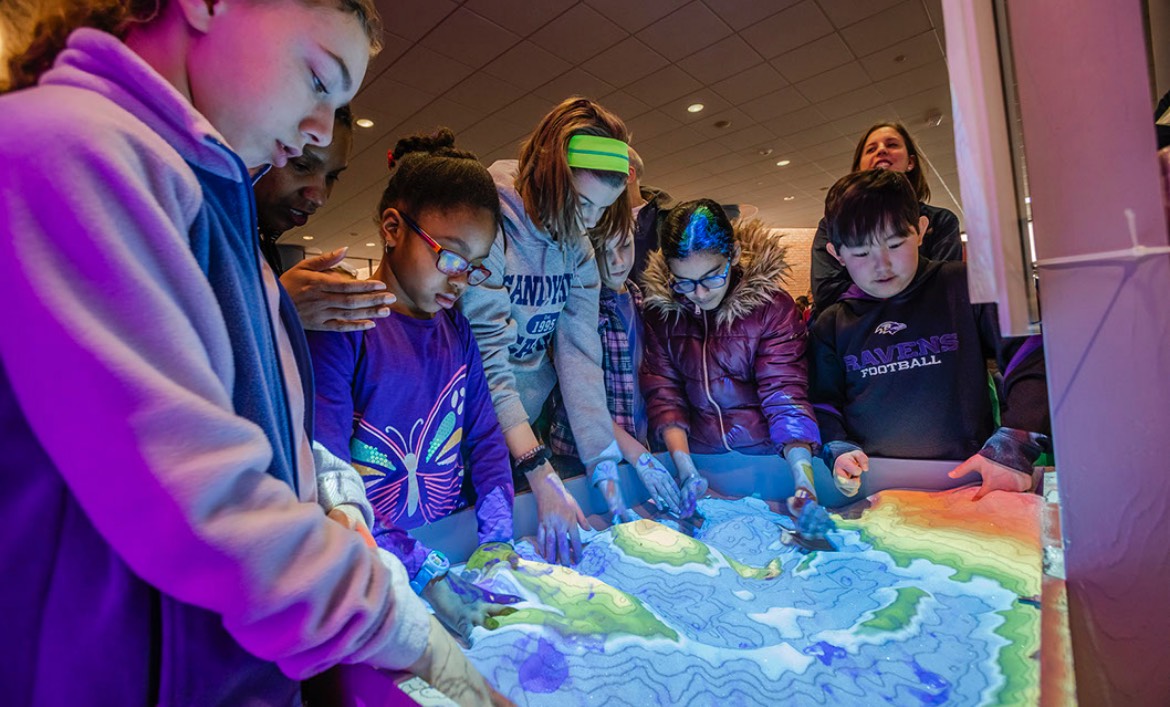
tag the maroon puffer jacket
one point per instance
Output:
(735, 378)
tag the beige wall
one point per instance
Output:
(799, 242)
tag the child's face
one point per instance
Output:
(886, 266)
(423, 290)
(593, 197)
(286, 198)
(885, 149)
(701, 265)
(269, 75)
(618, 261)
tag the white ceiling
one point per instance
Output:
(801, 78)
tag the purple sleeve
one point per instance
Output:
(399, 543)
(1024, 403)
(484, 452)
(782, 375)
(334, 358)
(662, 385)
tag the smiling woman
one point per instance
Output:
(886, 146)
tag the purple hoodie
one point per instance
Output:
(149, 555)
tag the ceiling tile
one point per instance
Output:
(527, 66)
(812, 59)
(650, 125)
(386, 102)
(393, 46)
(427, 70)
(414, 18)
(796, 121)
(441, 112)
(887, 28)
(834, 82)
(914, 109)
(626, 106)
(575, 82)
(625, 62)
(750, 136)
(830, 149)
(484, 94)
(914, 81)
(664, 86)
(787, 30)
(633, 16)
(845, 12)
(469, 38)
(712, 103)
(815, 136)
(725, 58)
(669, 143)
(579, 34)
(775, 104)
(910, 54)
(750, 83)
(684, 31)
(526, 111)
(742, 13)
(861, 121)
(519, 16)
(849, 103)
(488, 135)
(730, 162)
(735, 118)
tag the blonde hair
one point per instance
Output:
(47, 26)
(545, 180)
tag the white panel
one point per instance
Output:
(625, 62)
(527, 66)
(684, 31)
(579, 34)
(787, 30)
(887, 28)
(812, 59)
(469, 38)
(720, 60)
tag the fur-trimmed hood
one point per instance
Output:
(761, 272)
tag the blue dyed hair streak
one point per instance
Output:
(699, 226)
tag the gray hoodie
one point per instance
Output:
(535, 320)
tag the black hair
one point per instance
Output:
(343, 116)
(865, 206)
(696, 226)
(429, 173)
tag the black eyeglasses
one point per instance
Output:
(685, 287)
(449, 262)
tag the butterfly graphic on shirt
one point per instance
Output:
(425, 465)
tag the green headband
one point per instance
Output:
(596, 152)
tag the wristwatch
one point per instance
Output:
(434, 567)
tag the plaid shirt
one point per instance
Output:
(618, 370)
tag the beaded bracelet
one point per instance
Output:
(532, 459)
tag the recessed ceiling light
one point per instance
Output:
(695, 107)
(783, 163)
(307, 238)
(722, 124)
(372, 245)
(789, 198)
(900, 58)
(766, 151)
(364, 123)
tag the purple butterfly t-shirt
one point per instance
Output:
(408, 405)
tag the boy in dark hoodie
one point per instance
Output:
(898, 364)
